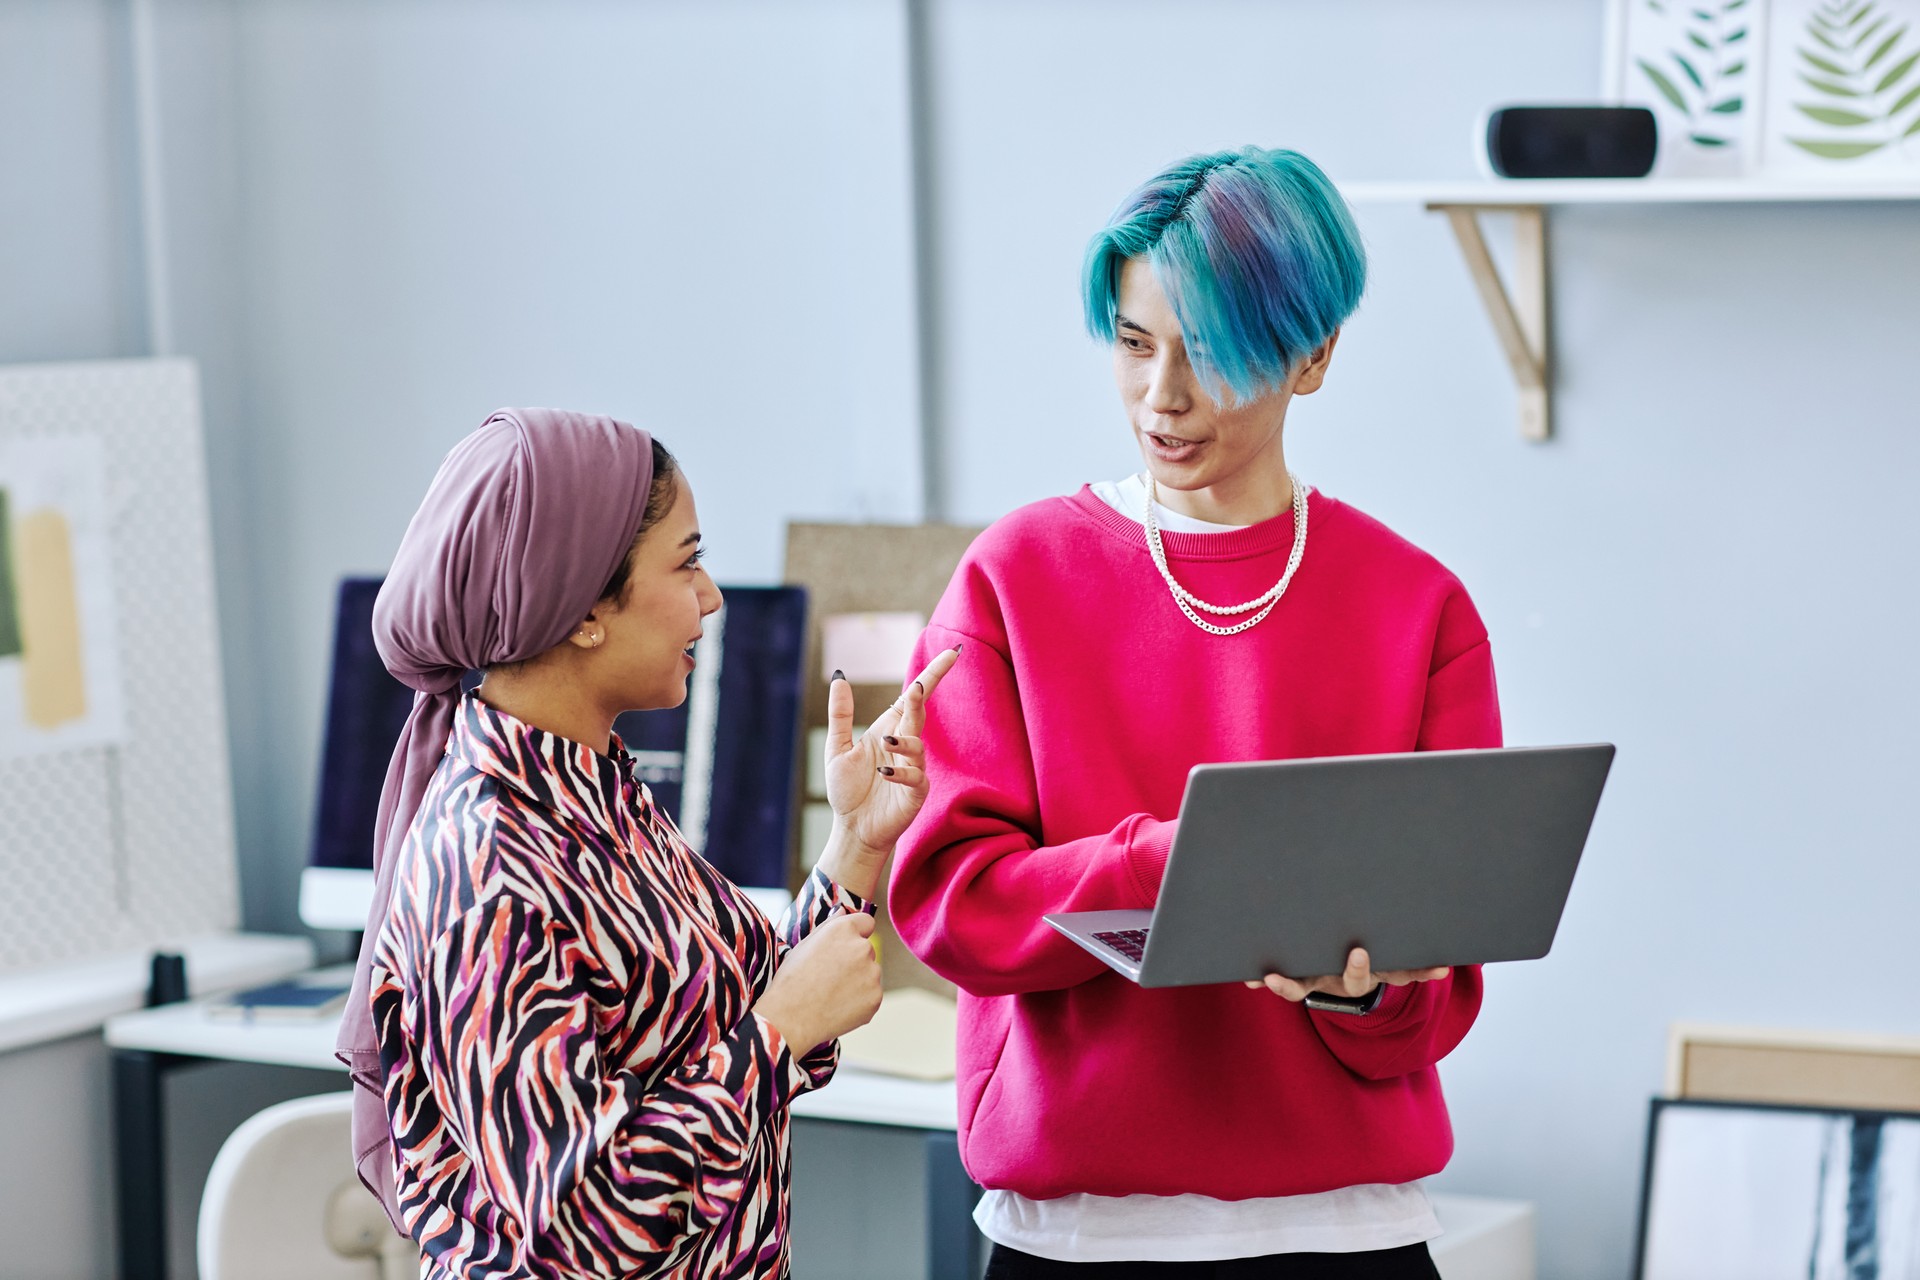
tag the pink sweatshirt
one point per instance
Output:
(1058, 753)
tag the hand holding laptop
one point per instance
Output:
(1358, 982)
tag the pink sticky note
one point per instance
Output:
(871, 648)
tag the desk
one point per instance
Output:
(40, 1005)
(148, 1044)
(1485, 1239)
(50, 1017)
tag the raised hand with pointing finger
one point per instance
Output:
(830, 983)
(876, 782)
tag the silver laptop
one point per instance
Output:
(1427, 858)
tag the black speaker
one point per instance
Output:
(1572, 142)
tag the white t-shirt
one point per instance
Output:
(1193, 1228)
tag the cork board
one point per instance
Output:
(1799, 1068)
(870, 568)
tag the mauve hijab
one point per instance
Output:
(523, 526)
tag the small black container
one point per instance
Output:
(1572, 142)
(167, 979)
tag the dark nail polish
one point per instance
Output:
(887, 770)
(892, 741)
(922, 688)
(838, 675)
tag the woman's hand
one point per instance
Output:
(877, 782)
(1358, 980)
(826, 986)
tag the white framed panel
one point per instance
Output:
(109, 846)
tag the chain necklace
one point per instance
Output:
(1189, 602)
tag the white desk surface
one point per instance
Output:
(858, 1097)
(38, 1005)
(1486, 1239)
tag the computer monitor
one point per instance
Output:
(721, 763)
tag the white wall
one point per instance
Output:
(693, 216)
(1711, 565)
(389, 218)
(386, 220)
(69, 235)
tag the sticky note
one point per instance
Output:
(871, 648)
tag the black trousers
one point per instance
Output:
(1411, 1262)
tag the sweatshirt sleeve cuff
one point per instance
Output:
(1397, 1007)
(1148, 844)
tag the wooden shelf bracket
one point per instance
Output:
(1519, 314)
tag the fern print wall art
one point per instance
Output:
(1696, 64)
(1843, 95)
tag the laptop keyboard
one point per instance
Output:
(1131, 943)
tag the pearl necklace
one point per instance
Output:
(1189, 602)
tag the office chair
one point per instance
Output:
(283, 1200)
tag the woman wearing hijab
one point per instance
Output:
(1211, 608)
(576, 1040)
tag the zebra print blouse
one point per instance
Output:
(575, 1081)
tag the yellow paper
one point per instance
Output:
(911, 1036)
(55, 683)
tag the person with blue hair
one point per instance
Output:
(1116, 638)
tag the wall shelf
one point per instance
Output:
(1520, 310)
(1507, 193)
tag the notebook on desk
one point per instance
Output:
(291, 1001)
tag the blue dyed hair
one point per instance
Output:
(1256, 251)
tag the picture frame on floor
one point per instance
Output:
(1760, 1191)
